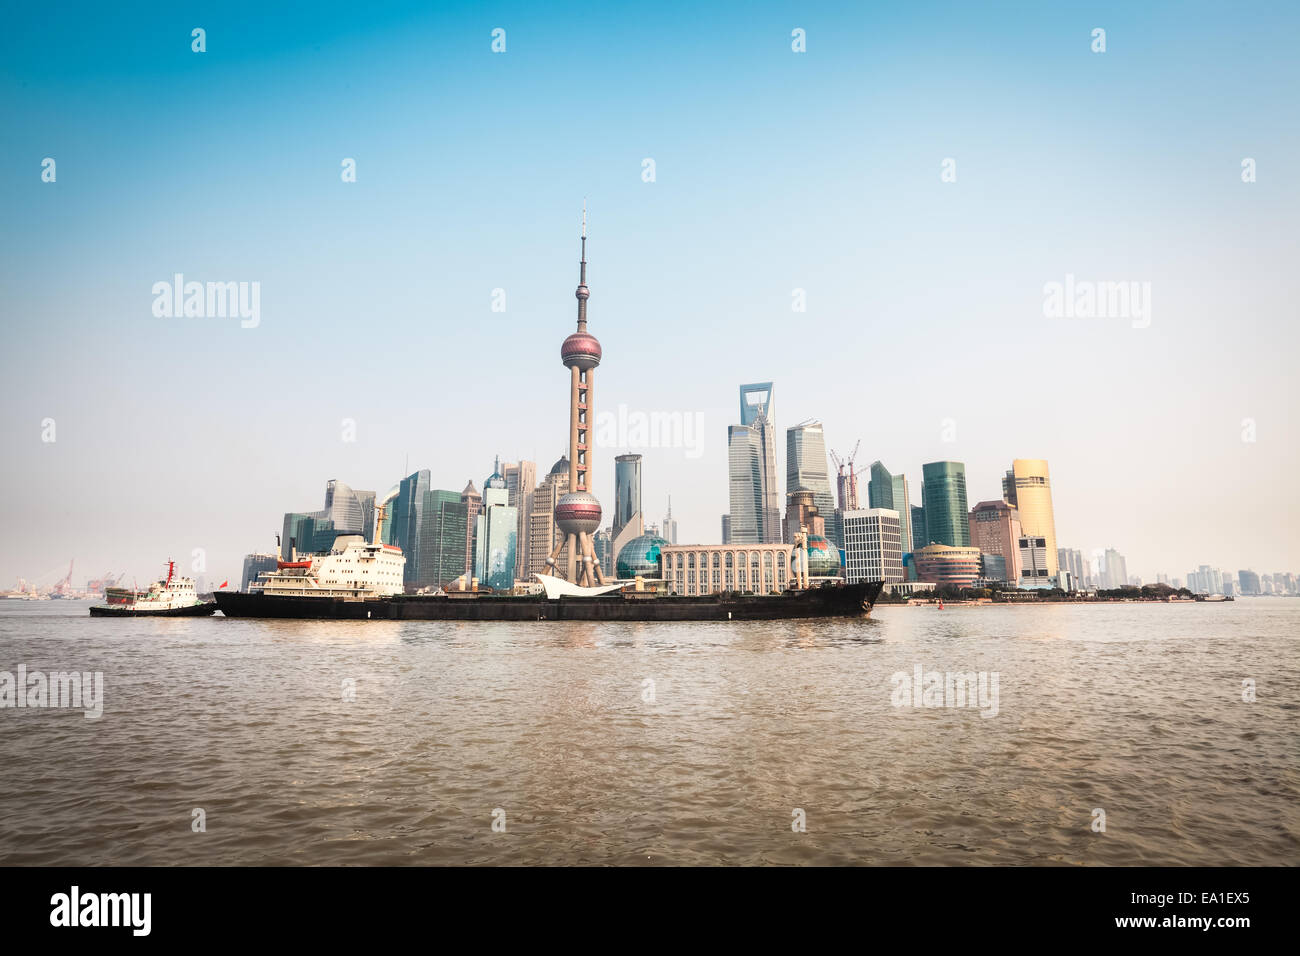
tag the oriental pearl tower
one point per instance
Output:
(577, 514)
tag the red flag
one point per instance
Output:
(223, 584)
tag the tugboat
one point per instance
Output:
(171, 596)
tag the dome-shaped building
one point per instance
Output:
(823, 558)
(640, 556)
(561, 467)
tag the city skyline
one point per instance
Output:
(1169, 443)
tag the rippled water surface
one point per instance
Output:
(1133, 709)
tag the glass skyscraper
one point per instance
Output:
(890, 491)
(756, 412)
(627, 490)
(805, 467)
(496, 540)
(920, 534)
(443, 529)
(254, 565)
(745, 485)
(943, 495)
(403, 529)
(345, 512)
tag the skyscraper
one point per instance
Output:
(408, 515)
(543, 533)
(805, 466)
(745, 485)
(444, 529)
(347, 508)
(346, 511)
(995, 529)
(670, 524)
(943, 495)
(920, 533)
(1115, 571)
(1071, 560)
(603, 543)
(473, 502)
(627, 490)
(756, 413)
(885, 490)
(495, 538)
(629, 522)
(254, 565)
(1027, 487)
(872, 546)
(301, 532)
(520, 478)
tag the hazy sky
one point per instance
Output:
(775, 171)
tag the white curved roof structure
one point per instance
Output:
(557, 587)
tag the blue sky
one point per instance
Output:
(774, 171)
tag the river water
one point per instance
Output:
(405, 742)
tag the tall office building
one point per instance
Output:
(920, 533)
(348, 509)
(1114, 569)
(745, 485)
(444, 528)
(1072, 560)
(629, 522)
(404, 528)
(473, 502)
(726, 529)
(1027, 487)
(543, 533)
(345, 512)
(521, 478)
(305, 534)
(846, 487)
(805, 467)
(1248, 582)
(756, 412)
(872, 546)
(627, 490)
(885, 490)
(670, 524)
(943, 495)
(603, 543)
(254, 565)
(495, 537)
(995, 529)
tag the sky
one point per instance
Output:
(780, 178)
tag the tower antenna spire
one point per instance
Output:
(583, 292)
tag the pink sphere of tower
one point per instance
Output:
(578, 512)
(581, 349)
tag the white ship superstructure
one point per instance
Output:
(169, 594)
(352, 569)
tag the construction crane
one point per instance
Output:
(61, 589)
(846, 481)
